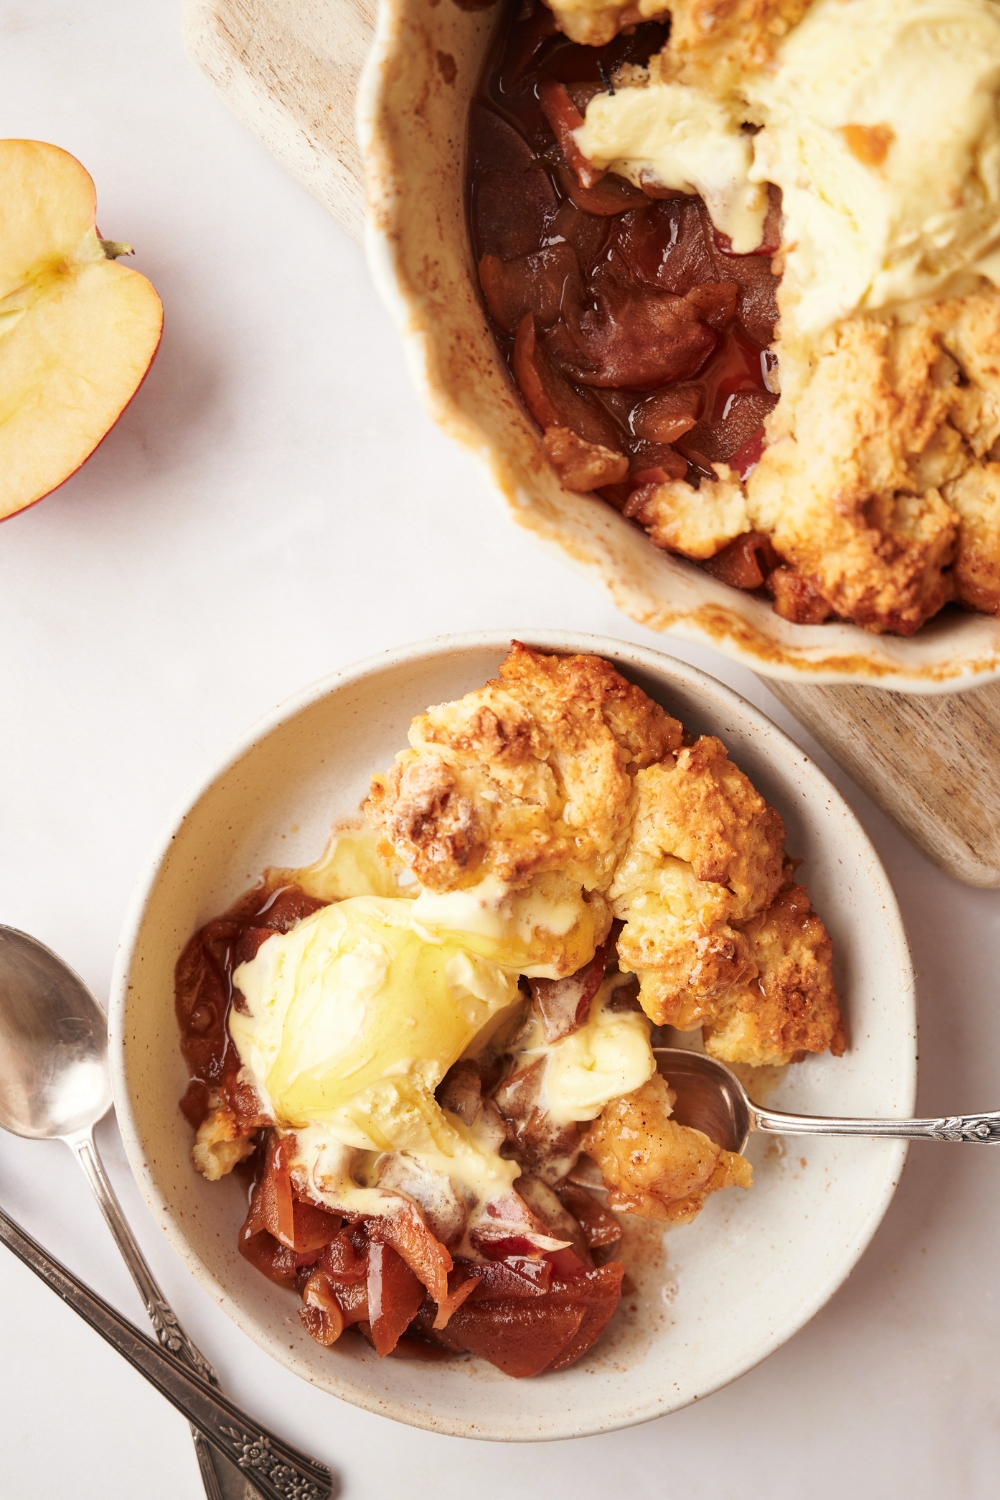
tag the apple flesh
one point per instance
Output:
(77, 331)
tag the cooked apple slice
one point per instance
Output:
(77, 331)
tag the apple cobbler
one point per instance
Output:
(743, 259)
(425, 1046)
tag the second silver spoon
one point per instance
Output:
(55, 1085)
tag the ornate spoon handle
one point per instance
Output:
(165, 1325)
(220, 1477)
(983, 1128)
(279, 1471)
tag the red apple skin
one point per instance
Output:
(82, 331)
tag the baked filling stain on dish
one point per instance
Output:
(423, 1047)
(743, 260)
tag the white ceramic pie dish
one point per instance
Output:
(731, 1287)
(413, 103)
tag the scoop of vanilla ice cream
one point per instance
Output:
(675, 136)
(352, 995)
(879, 121)
(882, 131)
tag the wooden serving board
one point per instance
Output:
(288, 69)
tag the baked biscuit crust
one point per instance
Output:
(654, 1167)
(706, 851)
(594, 22)
(714, 42)
(706, 33)
(530, 774)
(791, 1007)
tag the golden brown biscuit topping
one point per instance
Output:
(530, 774)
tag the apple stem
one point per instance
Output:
(113, 248)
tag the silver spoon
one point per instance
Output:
(55, 1084)
(713, 1100)
(280, 1471)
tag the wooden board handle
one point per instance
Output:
(931, 763)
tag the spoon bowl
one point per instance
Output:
(709, 1097)
(54, 1076)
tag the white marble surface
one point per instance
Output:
(273, 505)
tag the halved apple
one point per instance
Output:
(77, 331)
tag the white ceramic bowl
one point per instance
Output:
(714, 1297)
(412, 109)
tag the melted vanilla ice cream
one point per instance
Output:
(544, 930)
(349, 1022)
(883, 133)
(680, 137)
(878, 120)
(607, 1057)
(353, 994)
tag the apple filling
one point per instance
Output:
(639, 342)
